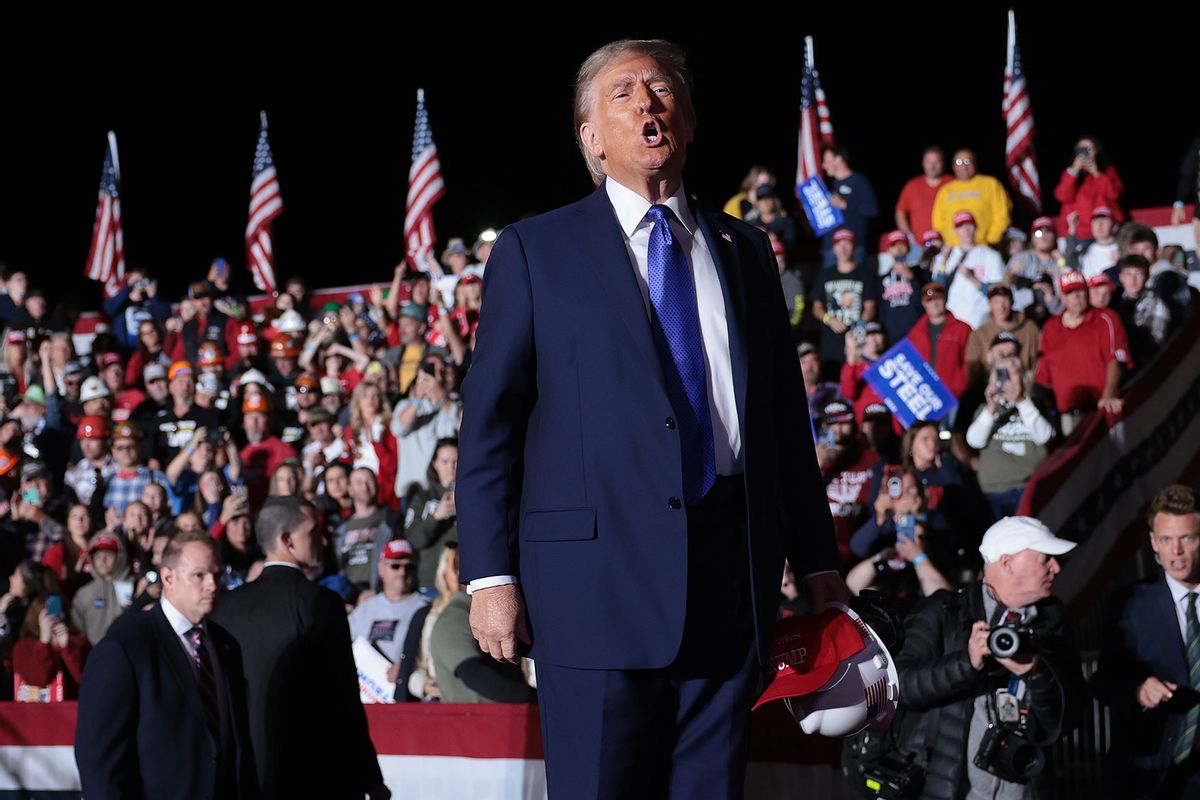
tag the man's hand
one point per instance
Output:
(393, 673)
(498, 621)
(1178, 215)
(1017, 667)
(825, 589)
(977, 645)
(837, 326)
(1153, 692)
(1072, 223)
(836, 201)
(1111, 405)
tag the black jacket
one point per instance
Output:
(938, 681)
(302, 687)
(141, 730)
(1142, 640)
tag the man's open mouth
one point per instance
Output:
(652, 133)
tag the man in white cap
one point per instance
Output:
(969, 691)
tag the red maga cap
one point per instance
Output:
(398, 550)
(1070, 281)
(807, 651)
(963, 217)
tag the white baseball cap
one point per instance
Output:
(1013, 534)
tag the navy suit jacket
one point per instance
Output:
(141, 731)
(569, 460)
(1143, 640)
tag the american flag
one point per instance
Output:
(425, 187)
(265, 206)
(815, 126)
(106, 256)
(1019, 159)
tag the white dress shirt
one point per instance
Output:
(1179, 594)
(181, 625)
(630, 208)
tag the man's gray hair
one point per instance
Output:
(669, 56)
(279, 514)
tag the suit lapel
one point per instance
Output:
(602, 245)
(609, 259)
(722, 245)
(1165, 610)
(177, 661)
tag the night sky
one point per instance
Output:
(340, 97)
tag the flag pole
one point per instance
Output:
(112, 145)
(1012, 38)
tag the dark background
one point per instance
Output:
(340, 96)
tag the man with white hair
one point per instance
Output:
(636, 458)
(992, 663)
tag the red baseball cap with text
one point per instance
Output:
(807, 651)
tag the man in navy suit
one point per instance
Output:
(1149, 673)
(162, 706)
(636, 458)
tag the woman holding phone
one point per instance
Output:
(48, 656)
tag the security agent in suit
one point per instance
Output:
(306, 720)
(637, 510)
(162, 708)
(1144, 674)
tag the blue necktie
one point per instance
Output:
(675, 324)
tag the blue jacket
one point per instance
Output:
(126, 316)
(569, 462)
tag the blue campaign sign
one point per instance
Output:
(909, 386)
(822, 216)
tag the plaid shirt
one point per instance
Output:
(126, 486)
(84, 477)
(39, 538)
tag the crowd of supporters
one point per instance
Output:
(1030, 330)
(188, 414)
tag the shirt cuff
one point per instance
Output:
(487, 583)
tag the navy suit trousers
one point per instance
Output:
(680, 731)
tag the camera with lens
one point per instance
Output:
(1010, 641)
(1008, 753)
(893, 779)
(877, 770)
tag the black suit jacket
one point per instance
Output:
(1143, 640)
(141, 730)
(306, 720)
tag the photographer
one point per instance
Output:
(1088, 182)
(1011, 433)
(137, 302)
(966, 693)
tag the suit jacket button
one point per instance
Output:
(675, 503)
(670, 423)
